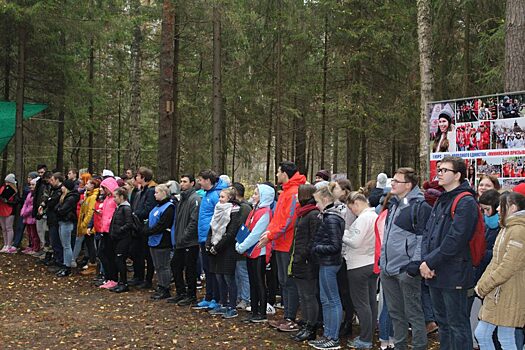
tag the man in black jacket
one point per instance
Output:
(186, 253)
(52, 221)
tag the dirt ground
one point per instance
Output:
(41, 311)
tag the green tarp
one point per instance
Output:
(8, 118)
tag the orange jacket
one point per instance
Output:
(281, 228)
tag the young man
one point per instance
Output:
(280, 232)
(184, 261)
(52, 221)
(72, 175)
(447, 264)
(401, 256)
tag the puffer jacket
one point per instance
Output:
(27, 210)
(104, 211)
(502, 285)
(328, 239)
(403, 233)
(306, 226)
(207, 207)
(67, 210)
(122, 222)
(445, 247)
(86, 211)
(186, 230)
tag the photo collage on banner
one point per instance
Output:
(488, 132)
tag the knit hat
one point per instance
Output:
(447, 114)
(107, 173)
(323, 174)
(10, 178)
(69, 184)
(226, 179)
(519, 188)
(33, 175)
(382, 178)
(35, 180)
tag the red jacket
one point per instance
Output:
(281, 228)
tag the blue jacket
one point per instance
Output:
(208, 202)
(445, 246)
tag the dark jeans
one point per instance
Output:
(184, 268)
(426, 303)
(212, 286)
(256, 270)
(403, 295)
(272, 281)
(19, 231)
(89, 241)
(288, 289)
(228, 290)
(122, 247)
(363, 286)
(451, 313)
(140, 254)
(56, 244)
(308, 291)
(344, 293)
(106, 254)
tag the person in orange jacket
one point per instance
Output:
(280, 232)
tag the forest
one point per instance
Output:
(239, 85)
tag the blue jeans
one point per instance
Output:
(289, 294)
(452, 316)
(78, 246)
(56, 244)
(19, 233)
(386, 330)
(241, 278)
(65, 230)
(520, 338)
(228, 290)
(506, 336)
(330, 301)
(212, 286)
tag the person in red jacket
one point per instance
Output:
(280, 232)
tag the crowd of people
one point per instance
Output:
(330, 251)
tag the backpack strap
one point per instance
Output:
(456, 201)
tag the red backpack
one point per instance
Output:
(478, 244)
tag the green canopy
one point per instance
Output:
(8, 119)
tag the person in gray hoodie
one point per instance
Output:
(401, 256)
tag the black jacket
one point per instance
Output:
(328, 240)
(162, 226)
(374, 198)
(186, 231)
(67, 210)
(303, 264)
(225, 261)
(51, 203)
(121, 223)
(146, 201)
(40, 195)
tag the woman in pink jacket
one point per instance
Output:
(30, 221)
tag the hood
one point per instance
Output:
(93, 193)
(518, 218)
(415, 193)
(73, 194)
(124, 204)
(110, 183)
(338, 209)
(296, 180)
(219, 186)
(266, 196)
(463, 187)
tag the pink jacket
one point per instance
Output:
(27, 210)
(108, 207)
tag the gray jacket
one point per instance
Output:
(186, 230)
(404, 226)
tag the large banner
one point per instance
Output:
(487, 131)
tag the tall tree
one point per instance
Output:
(514, 47)
(218, 122)
(175, 120)
(20, 90)
(136, 88)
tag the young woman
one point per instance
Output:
(8, 201)
(304, 270)
(326, 247)
(160, 225)
(87, 207)
(256, 223)
(360, 241)
(444, 141)
(220, 246)
(67, 219)
(30, 221)
(501, 285)
(120, 232)
(488, 182)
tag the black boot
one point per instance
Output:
(176, 298)
(163, 293)
(66, 271)
(310, 333)
(120, 288)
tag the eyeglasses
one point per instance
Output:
(394, 181)
(445, 170)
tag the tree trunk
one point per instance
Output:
(166, 91)
(325, 75)
(7, 87)
(514, 47)
(20, 86)
(176, 124)
(364, 154)
(424, 30)
(466, 49)
(335, 160)
(60, 139)
(300, 144)
(269, 143)
(217, 126)
(91, 108)
(136, 90)
(278, 122)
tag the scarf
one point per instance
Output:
(219, 221)
(303, 210)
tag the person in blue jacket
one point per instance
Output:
(212, 185)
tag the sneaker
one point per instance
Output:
(90, 270)
(277, 323)
(259, 319)
(248, 308)
(176, 298)
(28, 250)
(120, 288)
(432, 327)
(187, 301)
(39, 254)
(203, 304)
(243, 305)
(289, 326)
(230, 313)
(4, 249)
(135, 282)
(11, 250)
(314, 343)
(64, 272)
(213, 305)
(199, 284)
(218, 311)
(327, 344)
(279, 305)
(109, 285)
(357, 343)
(270, 310)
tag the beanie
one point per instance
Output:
(33, 175)
(10, 178)
(519, 188)
(381, 180)
(323, 174)
(69, 184)
(447, 114)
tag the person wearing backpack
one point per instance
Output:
(446, 258)
(401, 256)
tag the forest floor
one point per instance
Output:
(41, 311)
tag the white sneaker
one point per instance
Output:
(4, 249)
(270, 310)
